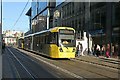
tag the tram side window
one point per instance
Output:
(53, 38)
(47, 41)
(43, 39)
(37, 40)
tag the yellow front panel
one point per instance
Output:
(22, 46)
(67, 52)
(53, 51)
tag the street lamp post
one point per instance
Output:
(1, 30)
(100, 28)
(1, 43)
(88, 26)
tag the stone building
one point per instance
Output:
(11, 37)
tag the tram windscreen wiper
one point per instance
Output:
(66, 47)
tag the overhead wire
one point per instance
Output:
(21, 14)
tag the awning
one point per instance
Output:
(96, 32)
(29, 12)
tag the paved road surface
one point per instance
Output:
(18, 63)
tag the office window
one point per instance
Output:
(34, 9)
(41, 6)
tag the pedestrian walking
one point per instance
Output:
(92, 50)
(103, 50)
(79, 49)
(108, 51)
(95, 51)
(116, 50)
(98, 50)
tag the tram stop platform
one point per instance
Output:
(101, 60)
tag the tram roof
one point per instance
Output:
(55, 29)
(41, 32)
(37, 33)
(28, 35)
(21, 38)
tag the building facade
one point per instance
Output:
(41, 15)
(11, 37)
(98, 20)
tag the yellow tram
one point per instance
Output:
(21, 43)
(57, 42)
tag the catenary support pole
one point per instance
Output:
(1, 41)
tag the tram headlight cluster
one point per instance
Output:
(61, 50)
(73, 50)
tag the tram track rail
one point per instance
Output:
(98, 63)
(22, 65)
(79, 67)
(110, 60)
(84, 69)
(102, 59)
(61, 61)
(41, 58)
(35, 61)
(12, 65)
(32, 59)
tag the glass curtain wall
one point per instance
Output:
(98, 22)
(39, 14)
(102, 19)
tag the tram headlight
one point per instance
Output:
(73, 50)
(61, 50)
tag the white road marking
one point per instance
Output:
(14, 67)
(21, 63)
(34, 61)
(61, 69)
(64, 70)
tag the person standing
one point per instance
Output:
(79, 49)
(116, 49)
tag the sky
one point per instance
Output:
(11, 12)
